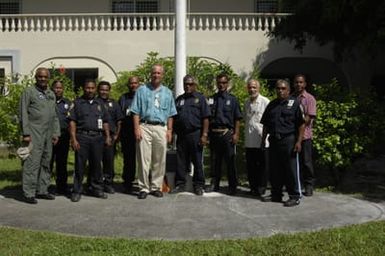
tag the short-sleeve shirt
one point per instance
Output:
(253, 112)
(63, 107)
(125, 102)
(308, 103)
(115, 113)
(225, 110)
(283, 117)
(153, 105)
(192, 109)
(87, 113)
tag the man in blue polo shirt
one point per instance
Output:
(153, 108)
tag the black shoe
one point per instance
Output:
(178, 189)
(291, 202)
(254, 193)
(30, 200)
(109, 189)
(62, 191)
(198, 191)
(75, 197)
(142, 195)
(308, 191)
(47, 196)
(212, 188)
(232, 191)
(271, 198)
(99, 194)
(127, 189)
(157, 193)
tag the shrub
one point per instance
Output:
(347, 126)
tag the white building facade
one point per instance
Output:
(99, 38)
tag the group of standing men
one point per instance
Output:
(145, 119)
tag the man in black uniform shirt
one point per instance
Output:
(88, 120)
(127, 135)
(60, 150)
(191, 125)
(116, 117)
(284, 121)
(224, 132)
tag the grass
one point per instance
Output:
(364, 239)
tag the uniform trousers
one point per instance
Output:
(256, 169)
(189, 150)
(36, 169)
(108, 163)
(60, 157)
(128, 144)
(306, 162)
(224, 149)
(283, 167)
(151, 154)
(91, 149)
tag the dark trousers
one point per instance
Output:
(283, 167)
(256, 169)
(224, 149)
(91, 149)
(108, 164)
(306, 163)
(189, 150)
(60, 157)
(128, 144)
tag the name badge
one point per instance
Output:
(290, 103)
(181, 103)
(228, 102)
(41, 96)
(128, 112)
(211, 101)
(100, 124)
(110, 104)
(66, 106)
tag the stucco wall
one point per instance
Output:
(125, 50)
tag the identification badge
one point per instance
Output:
(181, 103)
(228, 102)
(196, 100)
(100, 124)
(128, 112)
(156, 101)
(41, 96)
(110, 104)
(66, 106)
(211, 101)
(290, 103)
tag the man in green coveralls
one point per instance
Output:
(39, 127)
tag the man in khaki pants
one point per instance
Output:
(153, 107)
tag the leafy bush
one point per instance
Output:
(347, 126)
(9, 104)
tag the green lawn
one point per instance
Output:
(364, 239)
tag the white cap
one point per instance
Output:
(24, 152)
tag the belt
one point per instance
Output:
(220, 130)
(152, 122)
(89, 132)
(279, 136)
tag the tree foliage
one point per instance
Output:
(347, 125)
(347, 24)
